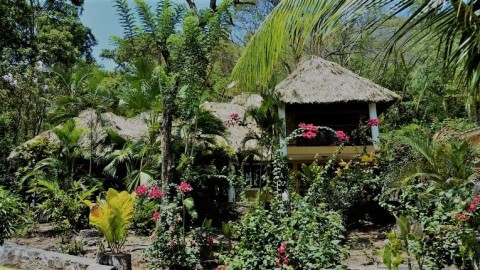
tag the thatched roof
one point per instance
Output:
(236, 133)
(128, 128)
(135, 128)
(318, 81)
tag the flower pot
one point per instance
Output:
(121, 261)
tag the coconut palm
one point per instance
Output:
(452, 24)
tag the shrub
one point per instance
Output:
(10, 214)
(143, 222)
(64, 208)
(170, 249)
(295, 235)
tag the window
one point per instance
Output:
(252, 174)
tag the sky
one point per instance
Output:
(100, 16)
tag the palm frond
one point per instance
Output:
(127, 20)
(290, 25)
(146, 17)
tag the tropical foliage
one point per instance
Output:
(112, 217)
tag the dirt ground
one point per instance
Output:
(364, 255)
(45, 238)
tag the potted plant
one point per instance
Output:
(112, 217)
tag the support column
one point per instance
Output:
(282, 117)
(372, 111)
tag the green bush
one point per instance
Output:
(143, 222)
(293, 235)
(10, 214)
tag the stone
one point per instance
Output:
(90, 233)
(119, 261)
(22, 257)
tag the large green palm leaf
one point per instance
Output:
(452, 24)
(290, 26)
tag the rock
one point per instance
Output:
(22, 257)
(119, 261)
(90, 233)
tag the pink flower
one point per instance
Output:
(184, 187)
(141, 190)
(373, 122)
(155, 193)
(234, 117)
(309, 135)
(285, 261)
(155, 215)
(282, 248)
(309, 130)
(308, 127)
(472, 207)
(342, 136)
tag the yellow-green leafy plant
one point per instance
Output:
(112, 217)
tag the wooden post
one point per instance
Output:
(372, 110)
(282, 117)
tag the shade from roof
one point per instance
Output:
(318, 81)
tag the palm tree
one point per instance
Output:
(453, 24)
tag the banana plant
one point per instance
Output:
(112, 217)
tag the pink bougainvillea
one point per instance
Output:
(155, 215)
(141, 190)
(184, 187)
(309, 130)
(282, 258)
(155, 193)
(473, 205)
(342, 136)
(373, 122)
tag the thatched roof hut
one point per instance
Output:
(318, 81)
(236, 133)
(98, 124)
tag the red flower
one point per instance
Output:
(155, 193)
(234, 117)
(285, 261)
(184, 187)
(155, 215)
(342, 136)
(141, 190)
(282, 248)
(373, 122)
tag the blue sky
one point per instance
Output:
(99, 15)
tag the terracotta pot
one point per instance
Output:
(121, 261)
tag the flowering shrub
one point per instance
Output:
(285, 236)
(340, 184)
(146, 208)
(170, 248)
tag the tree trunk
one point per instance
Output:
(166, 142)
